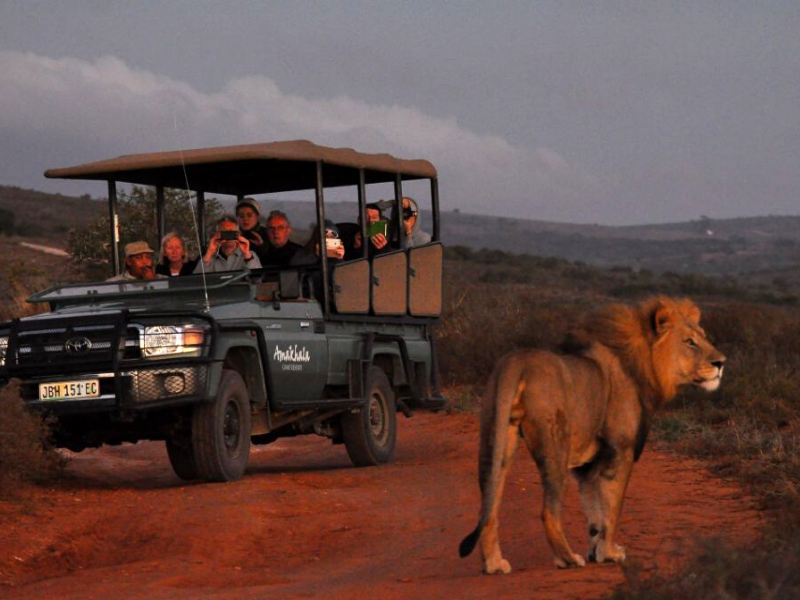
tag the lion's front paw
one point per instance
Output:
(575, 560)
(498, 566)
(610, 552)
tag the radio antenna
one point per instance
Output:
(194, 212)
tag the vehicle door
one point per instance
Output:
(296, 352)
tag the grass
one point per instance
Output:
(26, 455)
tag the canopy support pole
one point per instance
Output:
(113, 223)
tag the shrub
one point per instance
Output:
(137, 219)
(771, 570)
(26, 454)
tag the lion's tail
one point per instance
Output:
(501, 393)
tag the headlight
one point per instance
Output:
(3, 349)
(169, 340)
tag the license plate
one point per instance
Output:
(69, 390)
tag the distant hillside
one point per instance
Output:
(764, 249)
(730, 246)
(47, 217)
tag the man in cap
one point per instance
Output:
(138, 263)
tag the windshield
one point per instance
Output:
(151, 286)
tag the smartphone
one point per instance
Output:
(227, 235)
(333, 244)
(377, 227)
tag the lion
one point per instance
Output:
(587, 411)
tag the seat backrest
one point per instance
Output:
(351, 283)
(425, 280)
(390, 283)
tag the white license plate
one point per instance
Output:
(69, 390)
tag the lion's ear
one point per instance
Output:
(694, 314)
(663, 318)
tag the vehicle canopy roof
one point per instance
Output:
(250, 169)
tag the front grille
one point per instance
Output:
(76, 345)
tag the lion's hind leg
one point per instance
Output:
(592, 504)
(493, 561)
(550, 456)
(588, 477)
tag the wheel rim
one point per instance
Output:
(232, 427)
(378, 421)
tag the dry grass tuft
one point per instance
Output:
(26, 455)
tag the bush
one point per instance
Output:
(137, 219)
(771, 570)
(26, 454)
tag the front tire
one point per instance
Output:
(221, 431)
(370, 435)
(181, 457)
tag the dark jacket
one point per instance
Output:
(162, 268)
(262, 250)
(280, 257)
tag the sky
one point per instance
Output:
(615, 113)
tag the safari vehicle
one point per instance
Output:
(212, 363)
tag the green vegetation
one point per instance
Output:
(137, 221)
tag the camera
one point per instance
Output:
(227, 235)
(409, 212)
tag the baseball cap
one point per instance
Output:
(138, 248)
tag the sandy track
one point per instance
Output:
(303, 523)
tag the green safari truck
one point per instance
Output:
(214, 362)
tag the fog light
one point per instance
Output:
(174, 384)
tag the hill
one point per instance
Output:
(761, 249)
(45, 217)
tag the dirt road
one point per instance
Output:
(303, 523)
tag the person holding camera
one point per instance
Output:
(228, 250)
(309, 254)
(414, 235)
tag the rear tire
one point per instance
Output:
(370, 435)
(221, 431)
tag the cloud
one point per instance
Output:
(89, 110)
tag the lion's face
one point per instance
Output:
(682, 355)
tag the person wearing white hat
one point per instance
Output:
(247, 216)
